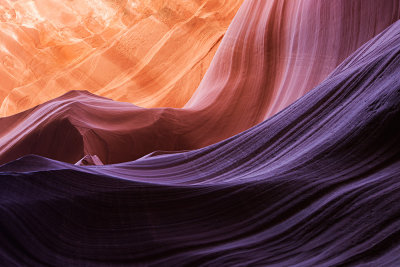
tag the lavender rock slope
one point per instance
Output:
(317, 184)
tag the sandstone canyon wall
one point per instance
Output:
(315, 185)
(273, 53)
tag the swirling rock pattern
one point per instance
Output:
(314, 183)
(273, 53)
(317, 184)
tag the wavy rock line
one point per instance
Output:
(273, 53)
(314, 185)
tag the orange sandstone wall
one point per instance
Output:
(152, 53)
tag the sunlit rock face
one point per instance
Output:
(148, 52)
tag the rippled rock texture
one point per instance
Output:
(287, 154)
(273, 53)
(151, 53)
